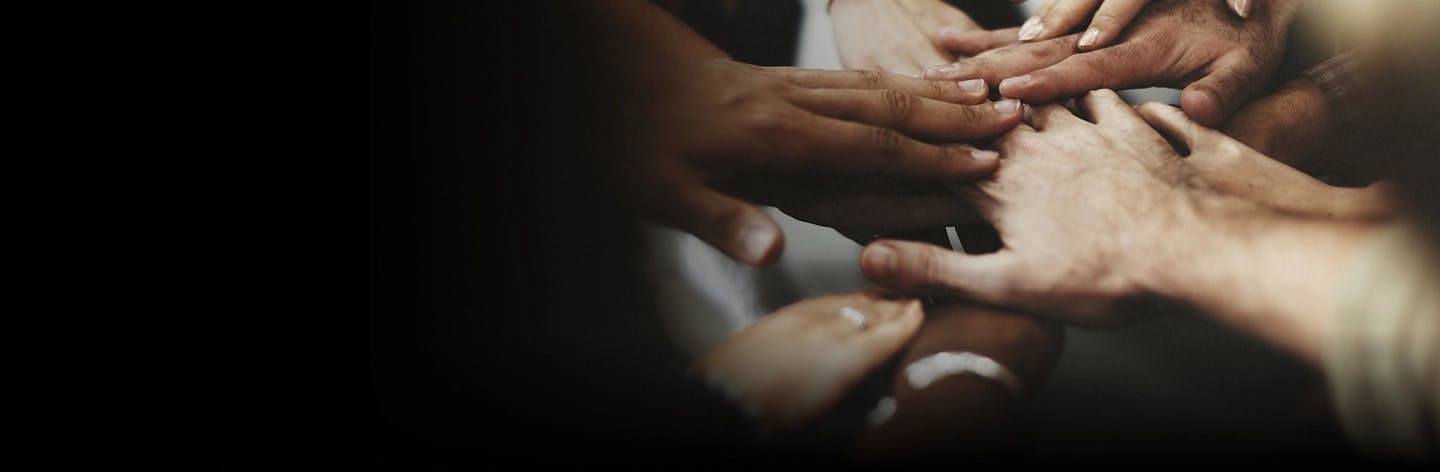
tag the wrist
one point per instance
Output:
(1187, 243)
(1259, 271)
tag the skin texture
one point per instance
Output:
(1228, 166)
(1057, 17)
(707, 138)
(1290, 125)
(1095, 213)
(897, 36)
(1107, 18)
(1219, 59)
(798, 362)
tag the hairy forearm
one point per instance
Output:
(1272, 275)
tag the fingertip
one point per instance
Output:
(1202, 105)
(759, 244)
(974, 88)
(982, 163)
(1016, 87)
(1090, 40)
(911, 316)
(878, 260)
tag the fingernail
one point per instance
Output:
(1088, 39)
(1031, 29)
(1242, 8)
(984, 155)
(946, 31)
(1013, 82)
(756, 242)
(880, 257)
(1008, 106)
(972, 85)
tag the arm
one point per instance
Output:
(1272, 275)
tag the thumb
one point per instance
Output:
(926, 268)
(1173, 123)
(1232, 79)
(1240, 7)
(739, 229)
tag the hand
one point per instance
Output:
(1219, 59)
(1110, 17)
(1058, 17)
(896, 36)
(1079, 207)
(800, 361)
(1228, 166)
(707, 134)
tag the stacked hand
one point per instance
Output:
(1220, 59)
(841, 149)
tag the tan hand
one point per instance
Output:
(1075, 203)
(798, 362)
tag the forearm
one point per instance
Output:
(1272, 275)
(638, 34)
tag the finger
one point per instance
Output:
(1233, 78)
(739, 229)
(846, 146)
(1014, 143)
(1240, 7)
(1106, 108)
(947, 91)
(1062, 17)
(1112, 18)
(974, 42)
(926, 268)
(1035, 24)
(1006, 62)
(890, 320)
(914, 116)
(1113, 68)
(1051, 116)
(1175, 124)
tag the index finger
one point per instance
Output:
(847, 146)
(962, 92)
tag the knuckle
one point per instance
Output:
(940, 89)
(887, 141)
(1106, 20)
(969, 115)
(898, 105)
(870, 77)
